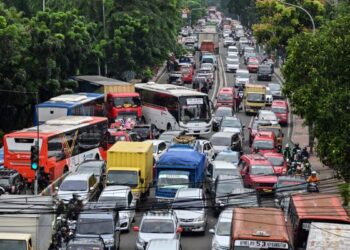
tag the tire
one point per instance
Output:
(97, 157)
(65, 169)
(169, 127)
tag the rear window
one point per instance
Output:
(21, 144)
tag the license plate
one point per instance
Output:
(267, 190)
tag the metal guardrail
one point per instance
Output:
(51, 189)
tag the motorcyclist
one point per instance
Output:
(306, 166)
(304, 153)
(74, 207)
(287, 152)
(296, 148)
(313, 178)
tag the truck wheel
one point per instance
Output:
(65, 169)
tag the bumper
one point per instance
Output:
(193, 226)
(252, 110)
(199, 131)
(231, 69)
(264, 77)
(252, 70)
(240, 84)
(124, 224)
(283, 120)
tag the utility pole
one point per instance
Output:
(37, 145)
(104, 30)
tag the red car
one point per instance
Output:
(121, 135)
(278, 162)
(253, 65)
(257, 172)
(253, 128)
(187, 73)
(227, 98)
(280, 108)
(264, 141)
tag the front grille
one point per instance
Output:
(267, 184)
(186, 220)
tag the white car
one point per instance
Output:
(217, 168)
(159, 148)
(268, 97)
(122, 195)
(205, 147)
(228, 41)
(232, 50)
(232, 65)
(222, 231)
(267, 115)
(242, 77)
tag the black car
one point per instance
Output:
(265, 72)
(11, 182)
(147, 131)
(219, 114)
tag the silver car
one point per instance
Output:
(267, 115)
(222, 231)
(189, 206)
(161, 244)
(157, 225)
(242, 78)
(217, 168)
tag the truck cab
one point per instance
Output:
(254, 98)
(16, 241)
(121, 105)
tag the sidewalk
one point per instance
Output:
(300, 134)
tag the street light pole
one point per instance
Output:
(307, 13)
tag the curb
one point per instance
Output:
(160, 72)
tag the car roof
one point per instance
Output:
(223, 134)
(231, 118)
(272, 154)
(115, 191)
(265, 134)
(156, 142)
(100, 162)
(78, 176)
(172, 132)
(159, 214)
(227, 108)
(257, 159)
(223, 164)
(228, 152)
(226, 89)
(242, 71)
(279, 103)
(189, 193)
(161, 244)
(226, 215)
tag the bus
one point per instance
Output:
(63, 144)
(171, 107)
(307, 208)
(81, 104)
(258, 228)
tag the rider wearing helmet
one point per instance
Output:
(304, 153)
(286, 152)
(313, 178)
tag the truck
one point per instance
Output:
(179, 167)
(208, 38)
(254, 98)
(328, 236)
(120, 97)
(131, 164)
(31, 228)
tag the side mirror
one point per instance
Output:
(116, 229)
(92, 188)
(136, 229)
(179, 230)
(212, 231)
(142, 180)
(56, 188)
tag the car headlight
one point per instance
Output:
(141, 241)
(108, 241)
(200, 218)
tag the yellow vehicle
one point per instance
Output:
(16, 241)
(131, 164)
(254, 98)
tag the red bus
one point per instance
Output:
(63, 142)
(306, 208)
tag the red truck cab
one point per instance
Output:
(278, 162)
(280, 108)
(123, 104)
(257, 172)
(264, 142)
(227, 98)
(207, 46)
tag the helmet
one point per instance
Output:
(313, 172)
(305, 148)
(287, 145)
(296, 144)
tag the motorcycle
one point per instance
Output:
(312, 187)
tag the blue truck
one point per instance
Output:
(179, 167)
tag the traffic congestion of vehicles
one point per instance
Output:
(199, 159)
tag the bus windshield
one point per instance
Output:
(195, 109)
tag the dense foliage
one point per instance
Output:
(317, 82)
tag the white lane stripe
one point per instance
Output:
(223, 72)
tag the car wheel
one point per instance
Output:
(169, 127)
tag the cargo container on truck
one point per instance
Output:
(131, 164)
(208, 35)
(181, 166)
(254, 98)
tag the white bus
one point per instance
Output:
(171, 107)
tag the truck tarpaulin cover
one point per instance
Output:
(181, 158)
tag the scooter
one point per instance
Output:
(312, 187)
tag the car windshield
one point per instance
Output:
(127, 101)
(224, 228)
(276, 161)
(166, 138)
(204, 71)
(73, 185)
(255, 97)
(268, 116)
(157, 226)
(223, 112)
(227, 186)
(225, 97)
(89, 168)
(279, 110)
(185, 204)
(253, 63)
(4, 182)
(117, 177)
(232, 157)
(290, 185)
(207, 60)
(232, 123)
(264, 70)
(263, 144)
(232, 60)
(143, 131)
(226, 171)
(275, 87)
(242, 75)
(276, 131)
(95, 226)
(195, 109)
(119, 201)
(173, 180)
(220, 141)
(262, 170)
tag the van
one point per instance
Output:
(280, 108)
(226, 98)
(209, 58)
(232, 50)
(264, 142)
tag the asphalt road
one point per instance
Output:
(191, 240)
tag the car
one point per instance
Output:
(146, 131)
(86, 186)
(208, 74)
(159, 148)
(222, 230)
(96, 167)
(157, 225)
(11, 182)
(270, 62)
(226, 140)
(264, 141)
(100, 220)
(189, 206)
(242, 78)
(219, 114)
(115, 135)
(232, 64)
(199, 82)
(124, 199)
(253, 128)
(229, 156)
(226, 33)
(252, 65)
(276, 128)
(281, 109)
(188, 59)
(268, 97)
(267, 115)
(209, 58)
(243, 197)
(78, 243)
(257, 172)
(205, 147)
(216, 168)
(276, 91)
(233, 124)
(248, 55)
(228, 41)
(224, 186)
(169, 135)
(187, 73)
(264, 72)
(227, 97)
(175, 78)
(161, 244)
(278, 162)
